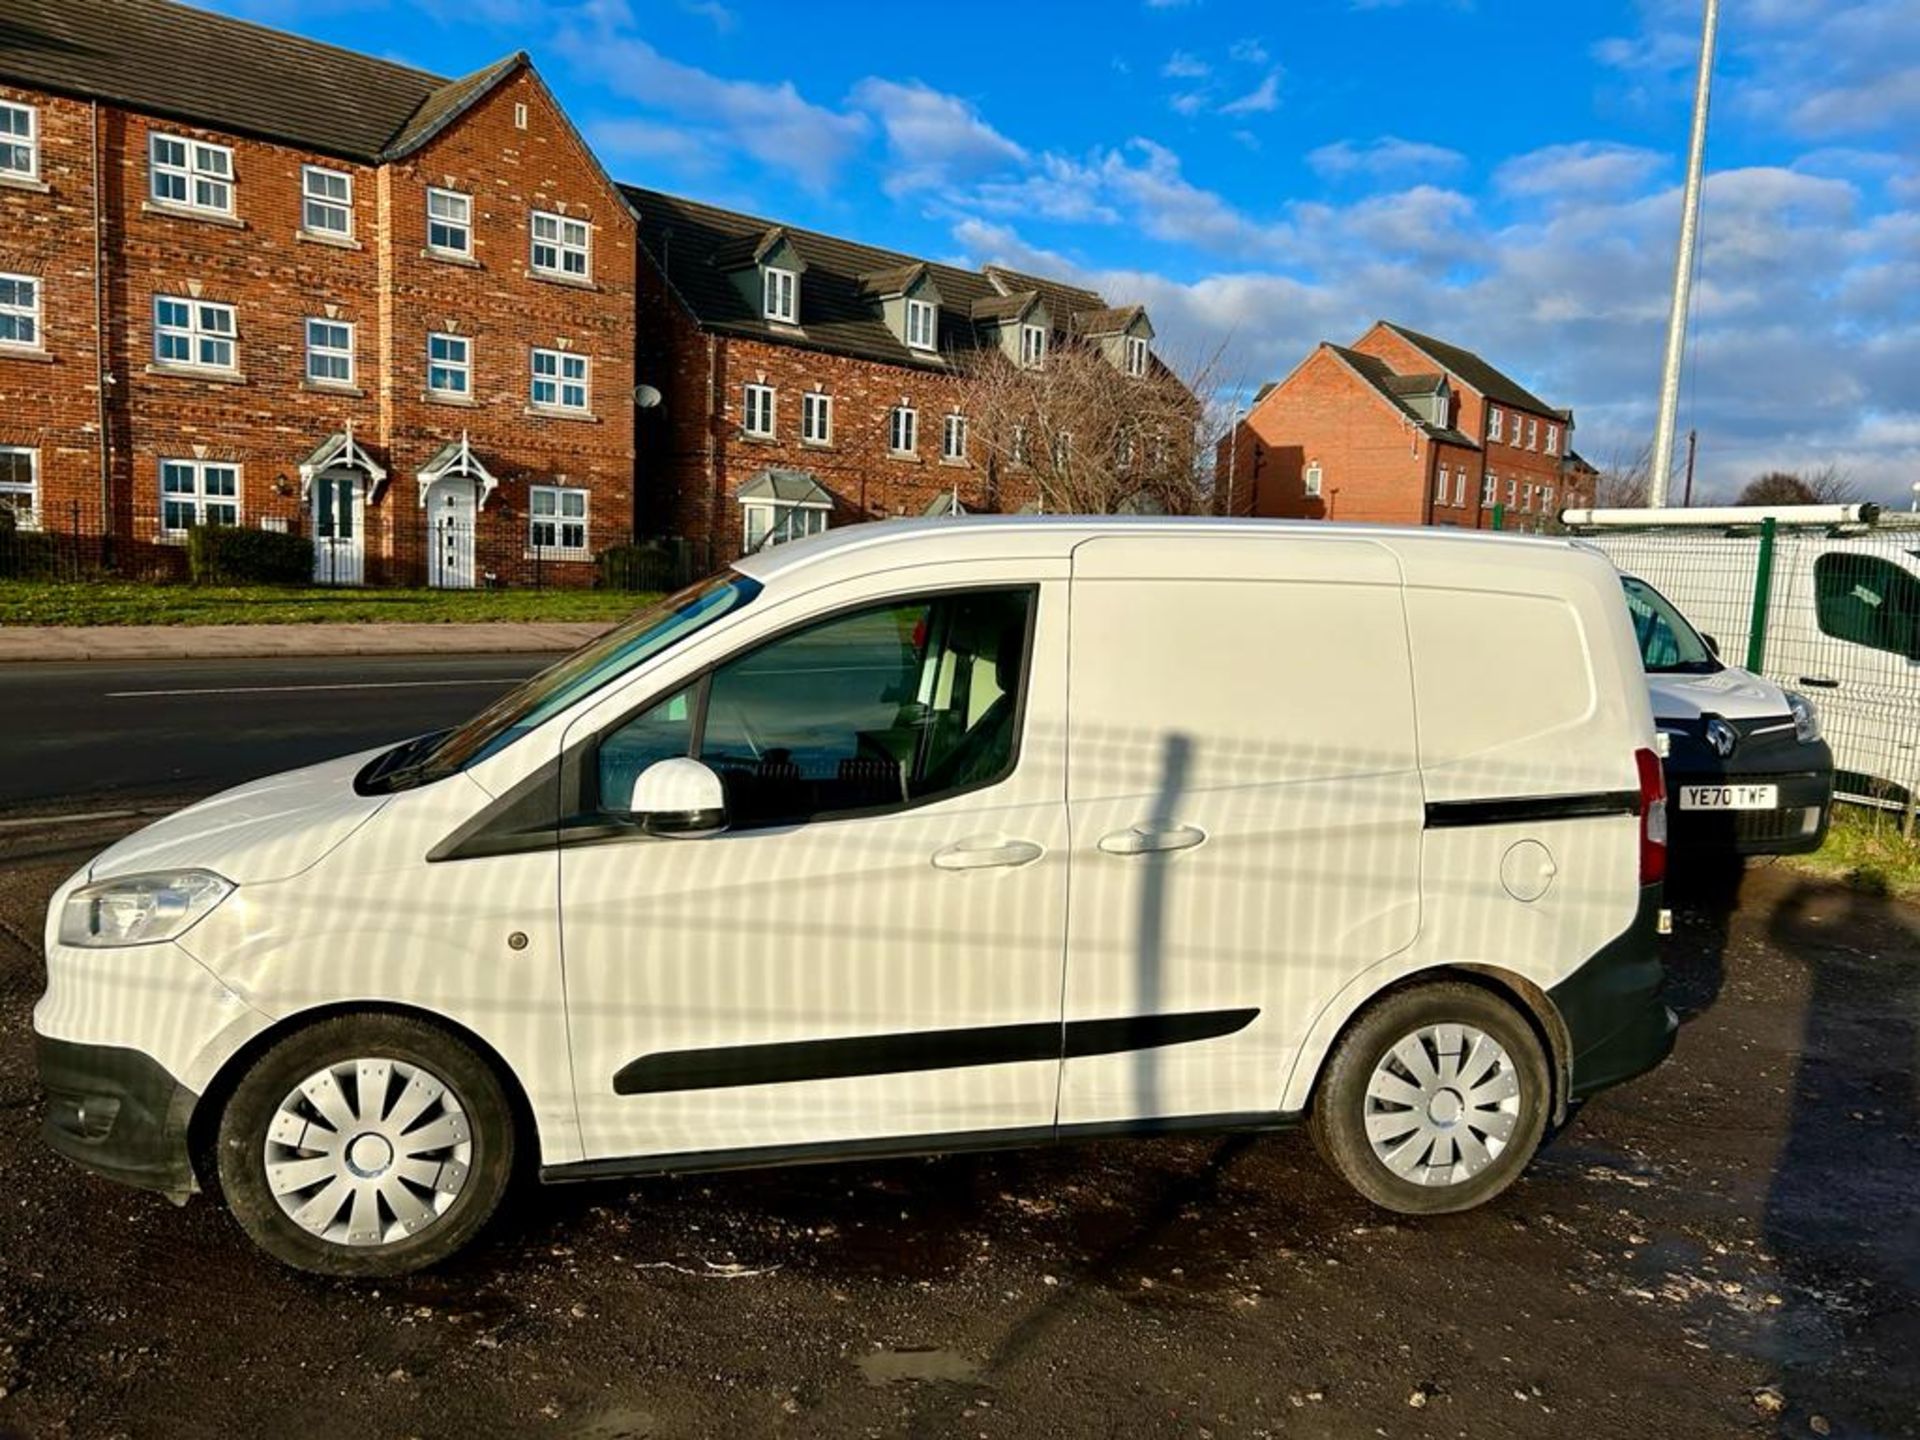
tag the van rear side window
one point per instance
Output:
(1868, 601)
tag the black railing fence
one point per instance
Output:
(69, 543)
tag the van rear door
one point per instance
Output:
(1245, 811)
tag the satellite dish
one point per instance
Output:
(646, 397)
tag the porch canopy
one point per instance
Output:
(456, 458)
(785, 487)
(340, 451)
(947, 502)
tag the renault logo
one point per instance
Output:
(1722, 736)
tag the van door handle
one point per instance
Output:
(1823, 682)
(971, 856)
(1143, 840)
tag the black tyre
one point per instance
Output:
(366, 1145)
(1434, 1100)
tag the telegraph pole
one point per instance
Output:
(1683, 270)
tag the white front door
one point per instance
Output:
(450, 524)
(339, 540)
(872, 949)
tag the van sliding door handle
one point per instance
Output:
(986, 857)
(1142, 840)
(1823, 682)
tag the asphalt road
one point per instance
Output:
(1725, 1247)
(77, 732)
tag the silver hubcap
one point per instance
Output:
(1442, 1104)
(368, 1152)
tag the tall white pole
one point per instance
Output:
(1683, 272)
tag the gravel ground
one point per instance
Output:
(1725, 1247)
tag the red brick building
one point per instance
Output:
(810, 381)
(1404, 429)
(246, 278)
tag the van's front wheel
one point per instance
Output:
(368, 1145)
(1434, 1100)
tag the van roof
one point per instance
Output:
(982, 537)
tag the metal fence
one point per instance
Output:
(1830, 611)
(70, 543)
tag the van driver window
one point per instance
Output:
(1869, 601)
(877, 708)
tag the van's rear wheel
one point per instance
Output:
(366, 1145)
(1434, 1100)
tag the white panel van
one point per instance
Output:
(909, 838)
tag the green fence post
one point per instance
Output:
(1499, 516)
(1762, 598)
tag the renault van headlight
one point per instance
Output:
(1806, 719)
(140, 909)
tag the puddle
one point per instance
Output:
(891, 1367)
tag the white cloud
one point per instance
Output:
(723, 19)
(773, 123)
(1387, 156)
(1586, 167)
(933, 139)
(1251, 51)
(1184, 65)
(1262, 98)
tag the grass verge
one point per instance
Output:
(1865, 848)
(32, 602)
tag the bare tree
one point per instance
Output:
(1827, 485)
(1625, 479)
(1076, 435)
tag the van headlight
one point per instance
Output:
(1806, 719)
(140, 909)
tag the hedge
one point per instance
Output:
(231, 553)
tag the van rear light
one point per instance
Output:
(1653, 818)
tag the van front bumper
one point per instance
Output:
(118, 1112)
(1617, 1022)
(1802, 771)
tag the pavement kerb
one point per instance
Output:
(20, 643)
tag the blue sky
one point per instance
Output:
(1502, 172)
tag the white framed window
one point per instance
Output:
(190, 174)
(19, 141)
(1033, 346)
(196, 334)
(780, 295)
(562, 246)
(1460, 486)
(326, 202)
(1124, 450)
(449, 365)
(922, 324)
(1496, 422)
(816, 418)
(1533, 434)
(557, 519)
(1553, 439)
(1062, 449)
(1440, 487)
(449, 222)
(561, 380)
(198, 492)
(953, 438)
(20, 484)
(329, 352)
(20, 311)
(1136, 356)
(1489, 488)
(774, 522)
(756, 410)
(1513, 493)
(1312, 478)
(1546, 499)
(1017, 447)
(903, 430)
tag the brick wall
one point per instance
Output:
(267, 417)
(692, 476)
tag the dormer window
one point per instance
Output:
(922, 325)
(1033, 346)
(1136, 356)
(780, 295)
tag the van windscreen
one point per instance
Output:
(1669, 645)
(664, 623)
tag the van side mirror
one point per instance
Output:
(680, 798)
(1712, 644)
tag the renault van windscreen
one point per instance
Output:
(664, 623)
(1669, 645)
